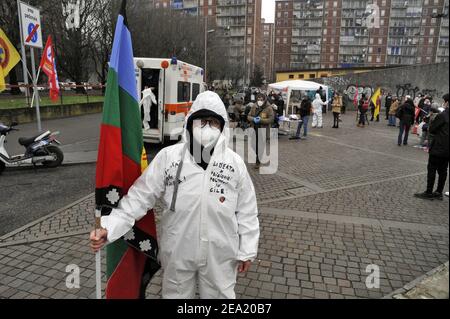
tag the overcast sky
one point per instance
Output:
(268, 10)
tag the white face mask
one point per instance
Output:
(206, 136)
(260, 103)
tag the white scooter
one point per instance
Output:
(39, 149)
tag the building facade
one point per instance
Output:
(312, 34)
(267, 51)
(236, 22)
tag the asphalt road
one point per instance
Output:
(27, 194)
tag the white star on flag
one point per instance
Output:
(129, 235)
(113, 196)
(145, 245)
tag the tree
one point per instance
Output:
(73, 44)
(257, 79)
(102, 38)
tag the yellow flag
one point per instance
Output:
(144, 161)
(9, 57)
(375, 102)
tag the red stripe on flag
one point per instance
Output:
(110, 159)
(131, 172)
(125, 282)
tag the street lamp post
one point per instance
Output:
(206, 46)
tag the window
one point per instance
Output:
(184, 91)
(301, 76)
(312, 75)
(380, 40)
(195, 90)
(291, 76)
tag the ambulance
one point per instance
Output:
(176, 85)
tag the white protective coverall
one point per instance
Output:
(317, 111)
(147, 99)
(215, 222)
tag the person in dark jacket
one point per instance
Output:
(406, 114)
(387, 104)
(305, 113)
(438, 154)
(363, 107)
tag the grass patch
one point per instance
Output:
(20, 102)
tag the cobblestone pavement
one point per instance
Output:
(341, 201)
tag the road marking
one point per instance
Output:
(342, 188)
(355, 220)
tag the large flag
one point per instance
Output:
(131, 261)
(9, 57)
(376, 100)
(48, 65)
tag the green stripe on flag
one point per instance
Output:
(111, 105)
(114, 253)
(130, 116)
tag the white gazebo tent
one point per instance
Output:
(297, 85)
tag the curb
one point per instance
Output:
(39, 239)
(24, 167)
(20, 229)
(409, 286)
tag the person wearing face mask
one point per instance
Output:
(148, 98)
(438, 154)
(209, 228)
(261, 116)
(317, 105)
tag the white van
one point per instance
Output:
(176, 85)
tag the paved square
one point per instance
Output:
(341, 201)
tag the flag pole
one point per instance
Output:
(98, 264)
(35, 84)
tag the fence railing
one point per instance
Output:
(68, 94)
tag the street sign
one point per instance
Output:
(31, 25)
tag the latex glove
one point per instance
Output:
(256, 120)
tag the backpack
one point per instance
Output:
(365, 105)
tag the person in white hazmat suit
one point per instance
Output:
(210, 228)
(148, 97)
(317, 111)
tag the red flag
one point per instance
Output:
(48, 65)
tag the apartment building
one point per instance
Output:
(236, 22)
(267, 53)
(311, 34)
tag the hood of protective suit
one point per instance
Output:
(318, 97)
(212, 102)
